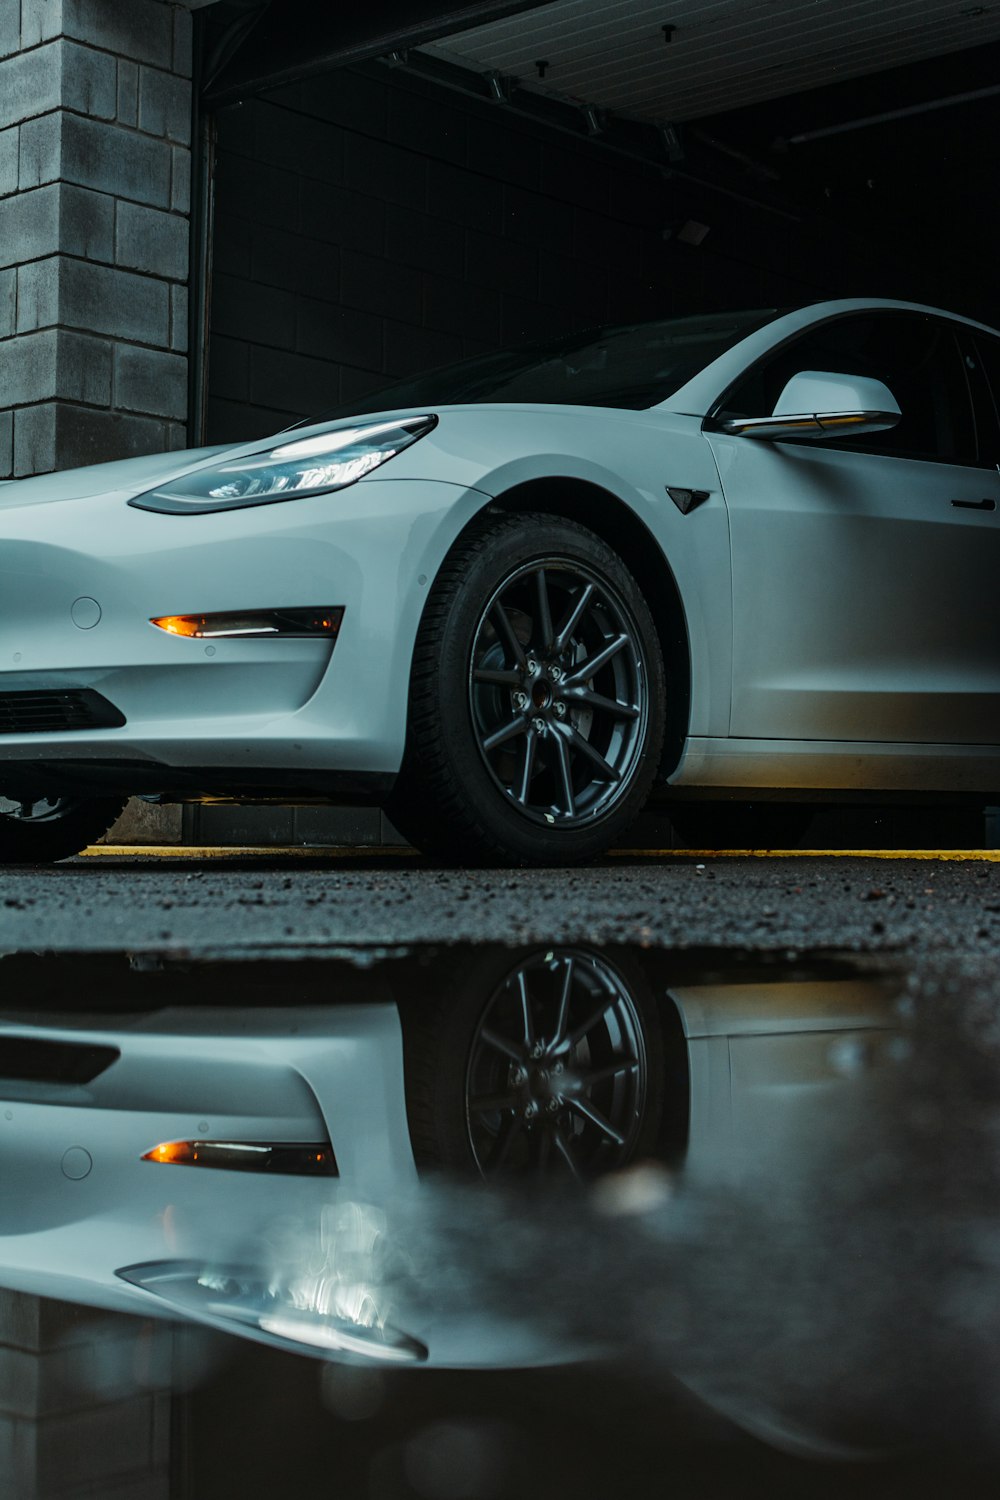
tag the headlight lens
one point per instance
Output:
(308, 466)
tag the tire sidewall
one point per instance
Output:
(513, 549)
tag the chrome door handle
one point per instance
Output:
(975, 504)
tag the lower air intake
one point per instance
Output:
(55, 711)
(30, 1060)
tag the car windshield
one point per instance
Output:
(634, 367)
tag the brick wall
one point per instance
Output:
(370, 224)
(95, 129)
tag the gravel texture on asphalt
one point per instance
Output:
(863, 905)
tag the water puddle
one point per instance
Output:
(473, 1221)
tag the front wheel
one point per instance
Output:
(536, 701)
(37, 831)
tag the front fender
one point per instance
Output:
(630, 456)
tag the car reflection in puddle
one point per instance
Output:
(770, 1183)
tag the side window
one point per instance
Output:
(983, 357)
(917, 357)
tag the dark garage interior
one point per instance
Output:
(380, 218)
(502, 174)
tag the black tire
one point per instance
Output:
(516, 754)
(47, 829)
(740, 825)
(459, 1042)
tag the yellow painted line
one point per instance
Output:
(353, 851)
(991, 855)
(241, 851)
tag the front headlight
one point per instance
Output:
(308, 466)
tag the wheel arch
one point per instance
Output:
(604, 513)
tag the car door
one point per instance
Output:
(864, 569)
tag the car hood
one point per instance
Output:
(133, 476)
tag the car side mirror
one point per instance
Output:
(815, 404)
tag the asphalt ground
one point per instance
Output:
(870, 1292)
(296, 899)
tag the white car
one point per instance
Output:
(744, 556)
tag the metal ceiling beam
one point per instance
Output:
(296, 38)
(889, 116)
(639, 141)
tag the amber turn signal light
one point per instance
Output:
(295, 1158)
(321, 620)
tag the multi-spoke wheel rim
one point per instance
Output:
(557, 1075)
(558, 690)
(37, 809)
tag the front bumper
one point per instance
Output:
(245, 712)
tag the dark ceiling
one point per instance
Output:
(905, 158)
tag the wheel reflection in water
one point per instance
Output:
(557, 1078)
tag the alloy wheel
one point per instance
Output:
(558, 688)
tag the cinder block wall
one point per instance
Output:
(84, 1402)
(95, 133)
